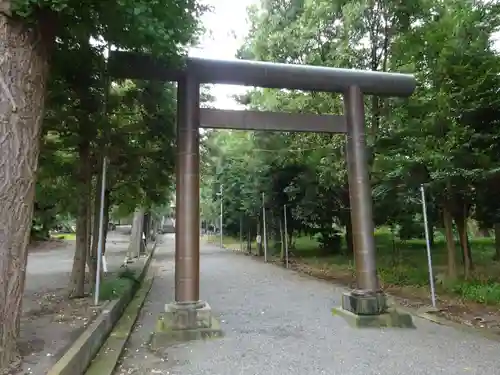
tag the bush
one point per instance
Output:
(404, 276)
(487, 293)
(330, 242)
(410, 230)
(115, 287)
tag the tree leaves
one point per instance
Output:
(444, 136)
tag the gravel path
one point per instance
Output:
(279, 322)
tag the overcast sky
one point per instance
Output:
(226, 27)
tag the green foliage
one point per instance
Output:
(445, 136)
(404, 264)
(162, 26)
(133, 124)
(142, 146)
(487, 293)
(117, 285)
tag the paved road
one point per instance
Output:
(49, 269)
(279, 322)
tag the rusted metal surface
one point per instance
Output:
(271, 121)
(360, 191)
(187, 210)
(262, 74)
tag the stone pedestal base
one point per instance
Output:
(185, 322)
(363, 310)
(361, 303)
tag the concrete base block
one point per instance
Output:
(185, 322)
(390, 318)
(361, 303)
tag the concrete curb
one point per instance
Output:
(81, 353)
(110, 352)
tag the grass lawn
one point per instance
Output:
(65, 236)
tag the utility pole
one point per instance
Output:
(428, 246)
(221, 217)
(100, 238)
(285, 235)
(264, 224)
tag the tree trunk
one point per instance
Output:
(282, 242)
(95, 224)
(450, 243)
(464, 243)
(77, 281)
(146, 225)
(144, 233)
(260, 248)
(107, 204)
(91, 259)
(249, 241)
(23, 76)
(432, 237)
(134, 247)
(497, 241)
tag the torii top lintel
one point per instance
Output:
(262, 74)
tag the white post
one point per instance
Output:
(286, 236)
(221, 221)
(101, 234)
(264, 229)
(428, 243)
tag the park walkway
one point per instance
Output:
(50, 322)
(279, 322)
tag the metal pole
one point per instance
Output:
(360, 192)
(241, 233)
(103, 186)
(221, 219)
(428, 243)
(286, 235)
(101, 233)
(264, 232)
(187, 208)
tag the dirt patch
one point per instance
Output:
(51, 322)
(457, 310)
(49, 326)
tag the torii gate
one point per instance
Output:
(365, 304)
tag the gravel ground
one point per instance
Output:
(279, 322)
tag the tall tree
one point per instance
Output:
(29, 32)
